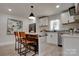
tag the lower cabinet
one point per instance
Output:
(52, 38)
(70, 45)
(42, 43)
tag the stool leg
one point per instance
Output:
(15, 45)
(18, 46)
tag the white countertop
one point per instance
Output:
(70, 35)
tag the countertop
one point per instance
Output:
(71, 35)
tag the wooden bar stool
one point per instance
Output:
(23, 42)
(28, 42)
(33, 38)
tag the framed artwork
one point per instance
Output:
(13, 26)
(32, 28)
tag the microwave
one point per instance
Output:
(72, 11)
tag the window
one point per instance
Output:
(54, 24)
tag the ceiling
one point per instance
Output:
(40, 9)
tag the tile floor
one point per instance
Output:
(8, 50)
(51, 50)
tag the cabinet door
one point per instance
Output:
(71, 19)
(52, 38)
(44, 21)
(64, 17)
(42, 45)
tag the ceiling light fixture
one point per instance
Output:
(57, 6)
(31, 16)
(9, 9)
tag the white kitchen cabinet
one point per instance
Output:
(77, 8)
(70, 44)
(71, 19)
(43, 21)
(42, 43)
(52, 37)
(65, 17)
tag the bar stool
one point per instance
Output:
(16, 40)
(24, 42)
(34, 45)
(27, 41)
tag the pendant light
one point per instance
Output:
(31, 16)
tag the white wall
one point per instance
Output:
(9, 39)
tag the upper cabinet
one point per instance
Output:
(77, 8)
(64, 17)
(71, 19)
(43, 21)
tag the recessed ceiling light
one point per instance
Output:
(9, 9)
(57, 6)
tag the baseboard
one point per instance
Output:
(6, 43)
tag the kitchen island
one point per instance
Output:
(70, 44)
(42, 42)
(48, 48)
